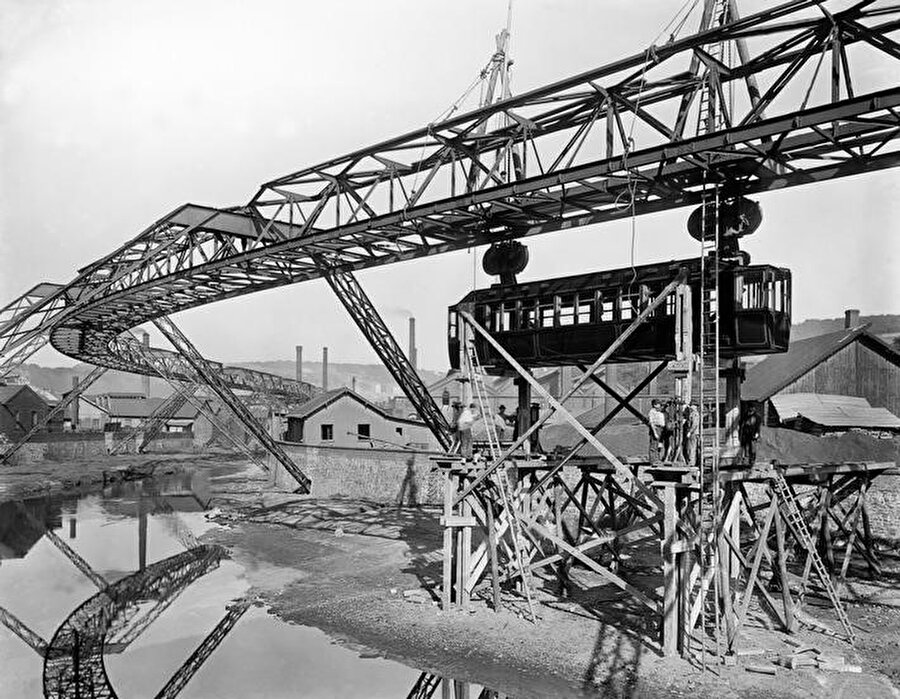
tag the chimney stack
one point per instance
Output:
(145, 379)
(299, 368)
(353, 384)
(851, 318)
(75, 404)
(325, 368)
(412, 343)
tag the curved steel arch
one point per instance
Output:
(563, 156)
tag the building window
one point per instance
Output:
(34, 418)
(399, 430)
(327, 433)
(364, 430)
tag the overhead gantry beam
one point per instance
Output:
(616, 141)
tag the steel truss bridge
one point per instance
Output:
(808, 94)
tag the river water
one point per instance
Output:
(115, 590)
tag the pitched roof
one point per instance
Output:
(779, 370)
(7, 392)
(323, 400)
(834, 411)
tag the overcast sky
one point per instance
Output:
(114, 113)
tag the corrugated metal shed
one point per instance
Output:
(835, 412)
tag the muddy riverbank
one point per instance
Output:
(366, 574)
(363, 572)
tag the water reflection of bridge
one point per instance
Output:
(121, 611)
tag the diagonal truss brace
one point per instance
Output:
(151, 425)
(70, 398)
(201, 654)
(64, 548)
(218, 386)
(364, 314)
(19, 628)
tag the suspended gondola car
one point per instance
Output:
(572, 320)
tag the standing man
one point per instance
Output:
(464, 424)
(535, 439)
(657, 419)
(748, 434)
(501, 421)
(451, 415)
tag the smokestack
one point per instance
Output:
(353, 384)
(325, 368)
(75, 404)
(145, 379)
(299, 349)
(412, 342)
(851, 318)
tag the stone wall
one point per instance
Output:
(69, 446)
(383, 475)
(884, 507)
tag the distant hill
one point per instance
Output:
(372, 380)
(58, 380)
(888, 324)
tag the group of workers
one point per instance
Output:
(675, 432)
(463, 418)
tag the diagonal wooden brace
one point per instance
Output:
(556, 405)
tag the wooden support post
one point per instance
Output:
(786, 599)
(826, 528)
(734, 567)
(869, 543)
(731, 443)
(670, 572)
(727, 600)
(447, 585)
(465, 563)
(754, 570)
(463, 538)
(685, 583)
(851, 538)
(492, 550)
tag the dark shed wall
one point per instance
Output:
(24, 402)
(855, 370)
(879, 379)
(836, 375)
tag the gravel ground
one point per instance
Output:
(344, 565)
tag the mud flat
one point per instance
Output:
(366, 573)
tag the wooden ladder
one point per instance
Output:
(507, 493)
(788, 505)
